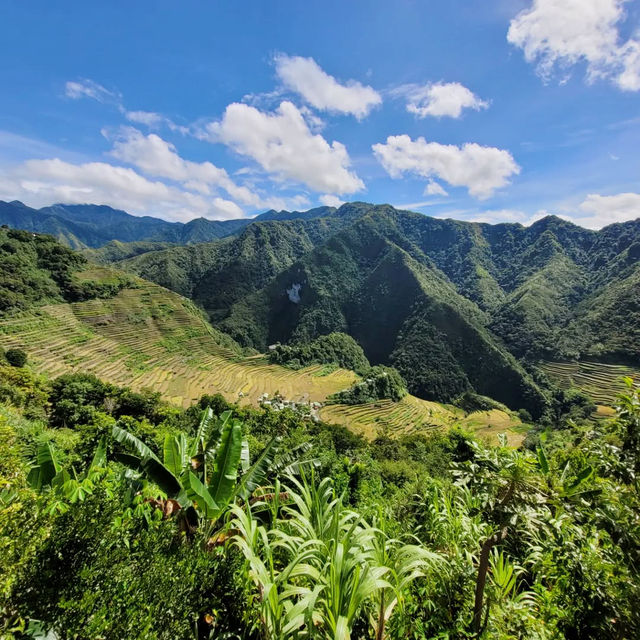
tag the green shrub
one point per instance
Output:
(335, 348)
(16, 357)
(379, 383)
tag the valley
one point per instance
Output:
(150, 338)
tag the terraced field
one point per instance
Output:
(412, 415)
(150, 337)
(601, 381)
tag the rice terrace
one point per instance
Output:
(320, 320)
(602, 381)
(150, 338)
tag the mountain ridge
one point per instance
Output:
(454, 305)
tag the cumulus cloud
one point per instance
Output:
(284, 146)
(331, 201)
(322, 91)
(603, 210)
(439, 99)
(560, 33)
(158, 158)
(481, 170)
(89, 89)
(41, 182)
(434, 189)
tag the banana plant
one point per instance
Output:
(563, 486)
(47, 473)
(203, 471)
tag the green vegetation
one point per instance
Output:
(379, 383)
(148, 337)
(455, 307)
(135, 503)
(16, 357)
(602, 382)
(339, 349)
(87, 225)
(419, 536)
(36, 270)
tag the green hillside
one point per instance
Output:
(451, 304)
(148, 337)
(131, 332)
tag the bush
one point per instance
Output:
(379, 383)
(471, 402)
(335, 348)
(16, 357)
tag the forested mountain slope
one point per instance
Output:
(82, 226)
(218, 274)
(86, 225)
(452, 304)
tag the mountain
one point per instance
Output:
(453, 305)
(90, 226)
(217, 274)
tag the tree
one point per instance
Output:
(16, 357)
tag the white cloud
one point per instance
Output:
(481, 170)
(158, 158)
(154, 120)
(89, 89)
(331, 201)
(497, 216)
(322, 91)
(604, 210)
(41, 182)
(283, 145)
(439, 99)
(560, 33)
(148, 118)
(434, 189)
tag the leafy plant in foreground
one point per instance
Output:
(203, 471)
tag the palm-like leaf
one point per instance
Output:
(160, 475)
(100, 456)
(147, 462)
(129, 440)
(223, 480)
(46, 468)
(175, 453)
(257, 473)
(198, 442)
(198, 493)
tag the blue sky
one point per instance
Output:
(226, 109)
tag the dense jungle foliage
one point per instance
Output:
(124, 517)
(378, 383)
(36, 270)
(338, 349)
